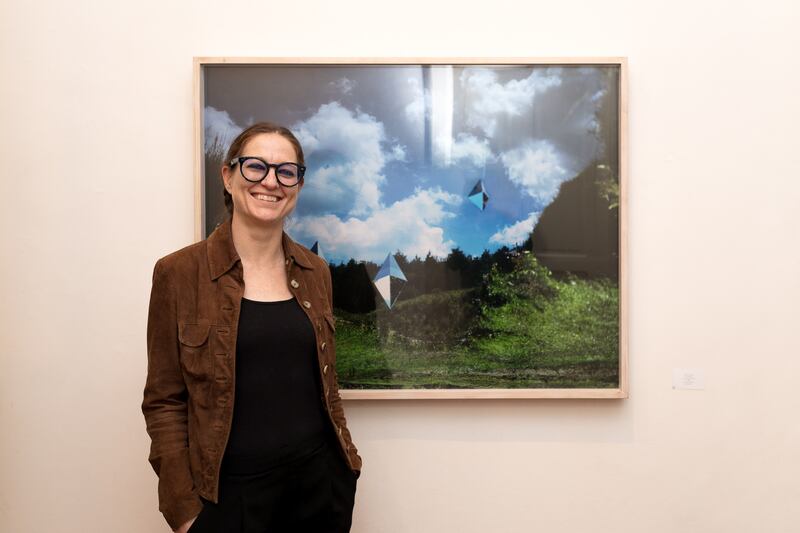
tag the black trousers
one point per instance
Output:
(314, 493)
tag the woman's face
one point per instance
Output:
(267, 201)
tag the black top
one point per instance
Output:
(277, 410)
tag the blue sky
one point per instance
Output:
(393, 152)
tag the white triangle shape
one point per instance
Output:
(384, 288)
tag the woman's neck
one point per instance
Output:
(257, 245)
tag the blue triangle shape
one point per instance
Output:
(477, 199)
(478, 196)
(394, 269)
(390, 268)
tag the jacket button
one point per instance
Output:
(306, 304)
(325, 369)
(287, 261)
(322, 346)
(294, 283)
(339, 430)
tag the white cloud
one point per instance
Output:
(343, 85)
(220, 129)
(466, 147)
(353, 142)
(537, 168)
(398, 153)
(598, 95)
(408, 225)
(517, 232)
(487, 98)
(436, 103)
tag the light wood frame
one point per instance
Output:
(424, 394)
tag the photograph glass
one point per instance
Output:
(469, 213)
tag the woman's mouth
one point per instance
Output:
(266, 197)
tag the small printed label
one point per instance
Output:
(688, 378)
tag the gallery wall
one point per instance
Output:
(96, 125)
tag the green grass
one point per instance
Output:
(563, 337)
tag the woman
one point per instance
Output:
(244, 318)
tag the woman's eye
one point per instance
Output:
(258, 167)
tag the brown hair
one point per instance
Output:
(249, 133)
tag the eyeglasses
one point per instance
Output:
(255, 169)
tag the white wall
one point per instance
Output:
(96, 124)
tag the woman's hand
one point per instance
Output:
(186, 525)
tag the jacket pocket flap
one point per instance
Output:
(193, 334)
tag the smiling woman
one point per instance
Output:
(251, 151)
(249, 306)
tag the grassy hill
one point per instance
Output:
(521, 329)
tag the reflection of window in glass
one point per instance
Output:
(437, 81)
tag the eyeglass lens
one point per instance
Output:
(256, 170)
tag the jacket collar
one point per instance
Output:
(222, 254)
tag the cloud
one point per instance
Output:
(408, 225)
(598, 95)
(487, 98)
(350, 145)
(343, 85)
(446, 149)
(220, 129)
(537, 168)
(517, 232)
(465, 147)
(398, 153)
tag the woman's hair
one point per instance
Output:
(249, 133)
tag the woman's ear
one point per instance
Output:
(226, 177)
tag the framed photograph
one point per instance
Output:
(472, 213)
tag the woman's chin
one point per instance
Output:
(264, 218)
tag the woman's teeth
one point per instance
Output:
(266, 197)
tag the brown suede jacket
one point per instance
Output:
(191, 347)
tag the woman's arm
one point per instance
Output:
(165, 408)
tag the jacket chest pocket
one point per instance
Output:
(195, 353)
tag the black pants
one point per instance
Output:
(313, 494)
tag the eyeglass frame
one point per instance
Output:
(301, 170)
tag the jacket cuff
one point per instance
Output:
(181, 511)
(178, 499)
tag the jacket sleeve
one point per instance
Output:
(336, 400)
(165, 406)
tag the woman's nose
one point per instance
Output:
(270, 181)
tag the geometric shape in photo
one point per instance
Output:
(389, 281)
(316, 249)
(478, 196)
